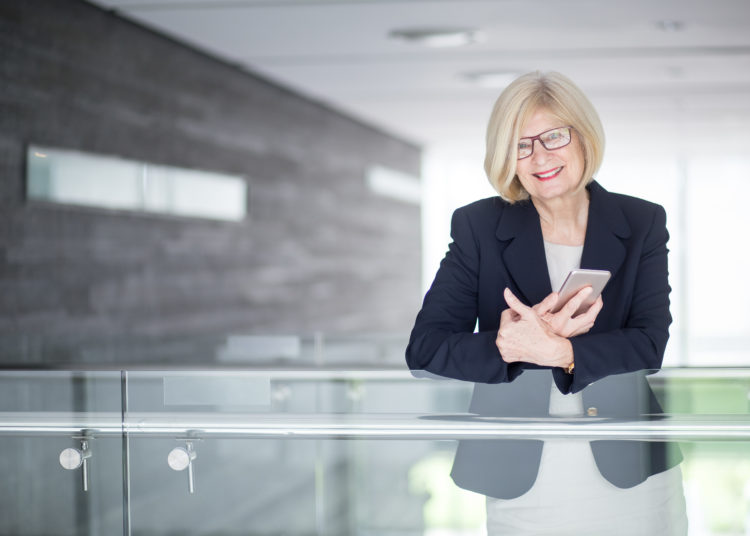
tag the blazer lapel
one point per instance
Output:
(524, 256)
(603, 248)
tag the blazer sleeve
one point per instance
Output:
(641, 342)
(443, 340)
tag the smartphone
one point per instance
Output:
(576, 280)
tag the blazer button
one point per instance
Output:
(592, 412)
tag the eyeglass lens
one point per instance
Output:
(550, 139)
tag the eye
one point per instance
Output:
(524, 145)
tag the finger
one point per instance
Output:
(593, 311)
(549, 318)
(515, 304)
(546, 305)
(597, 306)
(582, 329)
(507, 315)
(575, 302)
(584, 322)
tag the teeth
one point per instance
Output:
(549, 173)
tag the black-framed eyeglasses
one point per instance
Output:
(555, 138)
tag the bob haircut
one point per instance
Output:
(516, 104)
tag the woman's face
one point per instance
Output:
(550, 174)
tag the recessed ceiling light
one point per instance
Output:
(491, 79)
(438, 37)
(670, 25)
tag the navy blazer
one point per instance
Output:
(497, 245)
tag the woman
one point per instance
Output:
(544, 145)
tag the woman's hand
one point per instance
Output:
(563, 323)
(524, 336)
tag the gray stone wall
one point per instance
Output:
(318, 252)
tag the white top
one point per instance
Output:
(561, 260)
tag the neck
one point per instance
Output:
(564, 219)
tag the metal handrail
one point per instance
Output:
(338, 371)
(375, 426)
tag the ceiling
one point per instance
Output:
(662, 73)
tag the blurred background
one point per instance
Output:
(351, 130)
(671, 80)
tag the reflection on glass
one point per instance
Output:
(573, 486)
(75, 178)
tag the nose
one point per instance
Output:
(539, 151)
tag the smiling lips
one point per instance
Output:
(547, 175)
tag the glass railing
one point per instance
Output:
(306, 451)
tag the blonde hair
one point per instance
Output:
(516, 104)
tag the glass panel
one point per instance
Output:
(247, 484)
(42, 415)
(378, 452)
(71, 177)
(381, 452)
